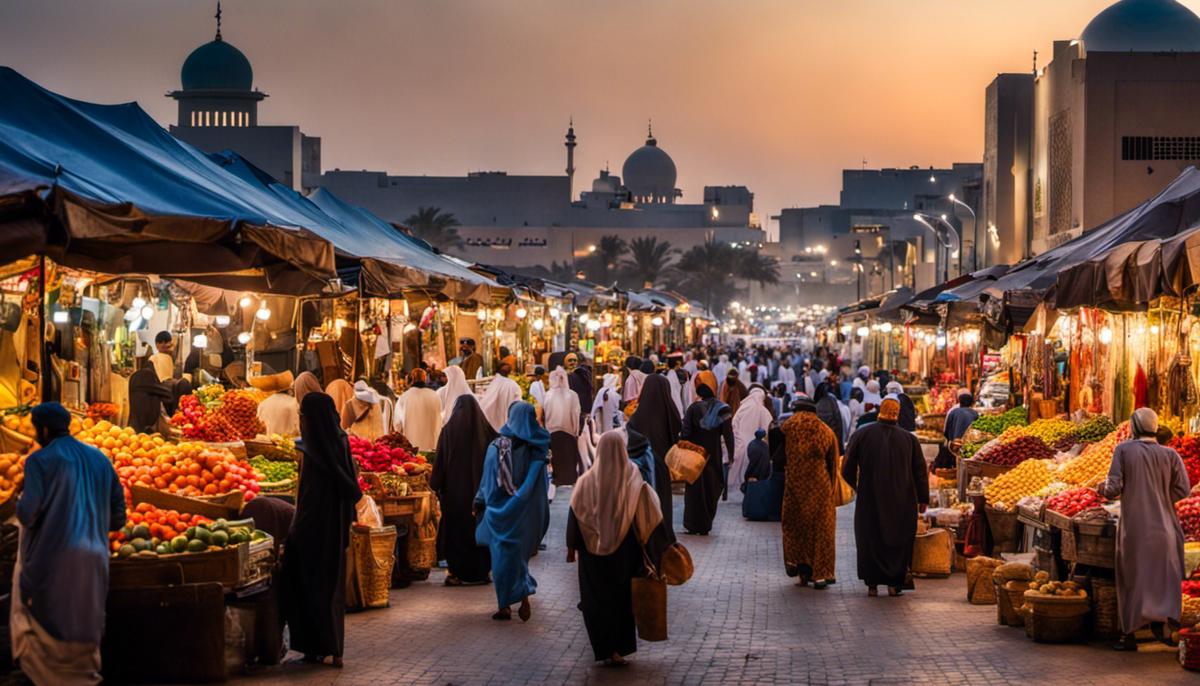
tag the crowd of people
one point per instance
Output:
(793, 431)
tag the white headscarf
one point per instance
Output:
(365, 393)
(607, 404)
(501, 393)
(456, 385)
(894, 387)
(612, 496)
(751, 416)
(561, 409)
(871, 395)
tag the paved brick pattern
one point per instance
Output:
(740, 620)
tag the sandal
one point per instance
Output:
(820, 585)
(872, 591)
(453, 581)
(525, 611)
(503, 614)
(894, 591)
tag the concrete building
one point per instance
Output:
(1113, 121)
(218, 110)
(1007, 210)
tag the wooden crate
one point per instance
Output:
(165, 634)
(1067, 547)
(228, 506)
(1096, 545)
(973, 467)
(1032, 517)
(232, 566)
(1059, 520)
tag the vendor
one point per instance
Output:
(960, 418)
(163, 360)
(148, 398)
(279, 412)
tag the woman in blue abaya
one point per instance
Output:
(513, 507)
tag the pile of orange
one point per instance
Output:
(12, 474)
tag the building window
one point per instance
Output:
(206, 118)
(193, 118)
(1145, 148)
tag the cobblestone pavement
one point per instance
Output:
(740, 620)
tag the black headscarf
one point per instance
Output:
(327, 449)
(461, 448)
(647, 367)
(147, 396)
(52, 417)
(656, 416)
(633, 362)
(580, 381)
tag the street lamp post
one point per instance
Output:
(923, 220)
(974, 232)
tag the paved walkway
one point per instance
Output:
(740, 620)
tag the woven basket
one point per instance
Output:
(422, 546)
(1009, 602)
(1016, 599)
(933, 554)
(1006, 529)
(1051, 619)
(1106, 623)
(980, 589)
(14, 441)
(369, 573)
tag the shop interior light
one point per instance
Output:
(244, 337)
(133, 314)
(846, 329)
(583, 318)
(1154, 329)
(657, 321)
(539, 324)
(61, 317)
(688, 321)
(941, 341)
(522, 313)
(245, 301)
(138, 303)
(1106, 335)
(147, 312)
(263, 313)
(200, 341)
(593, 325)
(221, 320)
(481, 314)
(555, 313)
(886, 327)
(498, 313)
(863, 331)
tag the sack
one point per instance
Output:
(686, 461)
(842, 493)
(650, 604)
(980, 589)
(676, 565)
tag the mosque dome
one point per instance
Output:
(217, 65)
(650, 172)
(1143, 26)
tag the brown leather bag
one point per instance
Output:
(650, 603)
(686, 461)
(676, 565)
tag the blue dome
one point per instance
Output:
(650, 171)
(217, 66)
(1143, 26)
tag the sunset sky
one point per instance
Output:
(778, 95)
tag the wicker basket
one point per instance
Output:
(1016, 600)
(369, 566)
(1106, 623)
(1009, 602)
(1006, 529)
(1052, 619)
(422, 546)
(980, 590)
(14, 441)
(933, 554)
(269, 450)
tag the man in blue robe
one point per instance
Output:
(71, 500)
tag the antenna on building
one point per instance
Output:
(218, 16)
(1035, 62)
(864, 163)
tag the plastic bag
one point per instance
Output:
(368, 513)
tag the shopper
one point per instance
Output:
(418, 412)
(1148, 478)
(363, 414)
(707, 424)
(513, 508)
(655, 418)
(561, 418)
(456, 385)
(829, 411)
(304, 384)
(279, 412)
(456, 475)
(612, 516)
(908, 411)
(470, 361)
(733, 391)
(580, 379)
(313, 578)
(163, 359)
(960, 418)
(809, 518)
(71, 500)
(751, 417)
(884, 464)
(637, 447)
(606, 408)
(341, 392)
(147, 400)
(537, 385)
(633, 380)
(500, 395)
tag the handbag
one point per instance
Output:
(676, 565)
(686, 461)
(649, 603)
(842, 493)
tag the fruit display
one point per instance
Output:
(150, 532)
(1053, 488)
(286, 445)
(102, 411)
(1091, 466)
(18, 419)
(273, 471)
(1017, 450)
(1050, 431)
(1188, 448)
(997, 423)
(1064, 589)
(380, 457)
(1023, 480)
(1075, 500)
(12, 474)
(229, 416)
(210, 395)
(1094, 429)
(928, 436)
(970, 449)
(397, 440)
(190, 469)
(1188, 512)
(1191, 589)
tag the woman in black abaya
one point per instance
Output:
(707, 423)
(313, 578)
(613, 514)
(461, 448)
(657, 419)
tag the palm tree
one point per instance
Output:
(754, 266)
(650, 260)
(436, 228)
(562, 272)
(706, 272)
(603, 263)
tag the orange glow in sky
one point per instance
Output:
(778, 95)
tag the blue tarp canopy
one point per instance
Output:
(104, 187)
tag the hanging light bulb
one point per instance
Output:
(941, 341)
(481, 314)
(200, 341)
(138, 303)
(846, 329)
(688, 321)
(593, 325)
(147, 312)
(863, 331)
(657, 321)
(539, 324)
(61, 317)
(133, 314)
(1154, 329)
(886, 327)
(244, 337)
(264, 312)
(221, 320)
(1106, 335)
(555, 313)
(245, 301)
(583, 318)
(522, 313)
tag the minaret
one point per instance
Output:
(570, 159)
